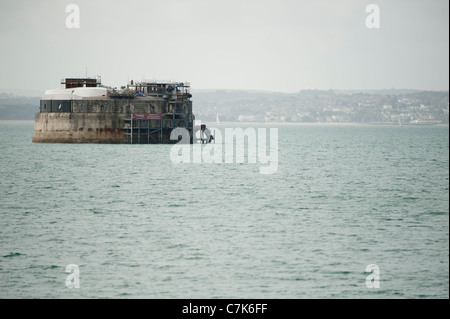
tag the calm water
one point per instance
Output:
(139, 226)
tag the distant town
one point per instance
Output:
(316, 106)
(397, 107)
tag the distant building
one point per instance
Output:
(246, 118)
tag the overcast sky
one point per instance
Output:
(276, 45)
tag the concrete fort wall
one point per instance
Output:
(137, 105)
(79, 128)
(99, 120)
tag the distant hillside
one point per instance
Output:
(357, 106)
(306, 106)
(14, 107)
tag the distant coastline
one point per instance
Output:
(25, 121)
(213, 124)
(366, 107)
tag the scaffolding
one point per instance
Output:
(149, 128)
(166, 90)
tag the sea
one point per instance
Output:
(351, 211)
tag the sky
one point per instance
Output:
(270, 45)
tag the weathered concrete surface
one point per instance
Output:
(101, 119)
(79, 128)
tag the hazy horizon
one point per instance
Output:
(280, 46)
(37, 93)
